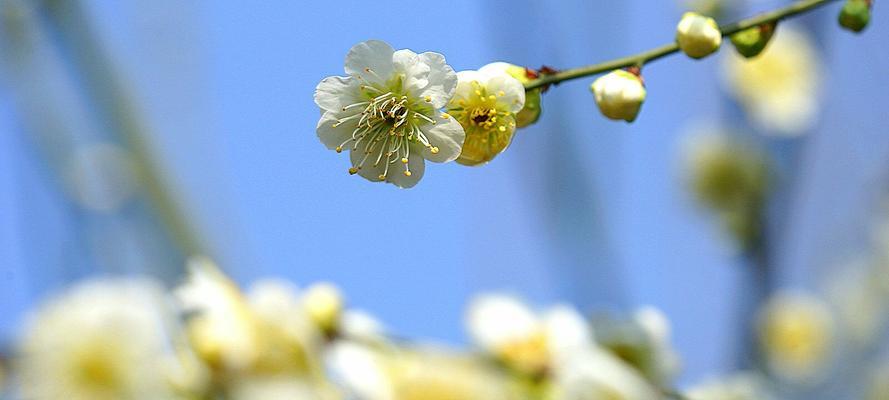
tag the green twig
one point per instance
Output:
(672, 48)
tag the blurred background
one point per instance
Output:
(134, 134)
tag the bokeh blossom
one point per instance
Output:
(741, 386)
(779, 88)
(796, 333)
(387, 112)
(100, 340)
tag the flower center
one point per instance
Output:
(387, 127)
(481, 110)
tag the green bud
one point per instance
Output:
(855, 15)
(532, 110)
(751, 42)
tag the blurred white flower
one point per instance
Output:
(508, 330)
(220, 325)
(265, 333)
(642, 341)
(730, 176)
(742, 386)
(619, 95)
(324, 304)
(100, 340)
(861, 304)
(879, 384)
(486, 103)
(387, 112)
(593, 374)
(779, 88)
(279, 388)
(796, 332)
(698, 36)
(414, 374)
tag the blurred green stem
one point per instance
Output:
(107, 90)
(645, 57)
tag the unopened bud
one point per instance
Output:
(751, 42)
(697, 35)
(532, 110)
(323, 303)
(619, 95)
(855, 15)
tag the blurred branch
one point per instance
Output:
(104, 84)
(789, 11)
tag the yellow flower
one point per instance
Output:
(485, 104)
(796, 333)
(779, 88)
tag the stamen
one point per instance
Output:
(363, 103)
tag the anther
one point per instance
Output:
(407, 173)
(339, 149)
(434, 150)
(353, 171)
(404, 160)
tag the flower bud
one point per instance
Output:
(751, 42)
(324, 304)
(531, 112)
(698, 36)
(855, 15)
(619, 95)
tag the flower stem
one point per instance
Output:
(791, 10)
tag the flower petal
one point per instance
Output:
(417, 166)
(442, 79)
(336, 92)
(371, 60)
(465, 88)
(513, 91)
(369, 171)
(447, 135)
(496, 320)
(332, 133)
(415, 74)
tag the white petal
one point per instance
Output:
(593, 373)
(333, 134)
(566, 330)
(361, 371)
(513, 91)
(447, 135)
(497, 320)
(415, 73)
(374, 55)
(336, 92)
(465, 89)
(442, 79)
(495, 68)
(417, 165)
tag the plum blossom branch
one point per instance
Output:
(648, 56)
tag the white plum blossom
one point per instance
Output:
(387, 112)
(486, 103)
